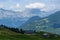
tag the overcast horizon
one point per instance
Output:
(27, 9)
(18, 5)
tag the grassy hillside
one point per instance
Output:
(5, 31)
(6, 34)
(26, 37)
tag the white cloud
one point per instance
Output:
(1, 5)
(46, 9)
(49, 7)
(16, 6)
(42, 6)
(35, 5)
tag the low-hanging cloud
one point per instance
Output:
(41, 6)
(35, 5)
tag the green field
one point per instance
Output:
(6, 34)
(25, 37)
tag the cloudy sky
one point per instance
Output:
(28, 9)
(19, 5)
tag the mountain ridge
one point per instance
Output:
(44, 24)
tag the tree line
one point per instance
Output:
(14, 29)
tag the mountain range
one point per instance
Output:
(10, 18)
(48, 24)
(14, 19)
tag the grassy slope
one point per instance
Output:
(25, 37)
(4, 31)
(6, 34)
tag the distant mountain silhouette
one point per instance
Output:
(9, 18)
(31, 23)
(49, 24)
